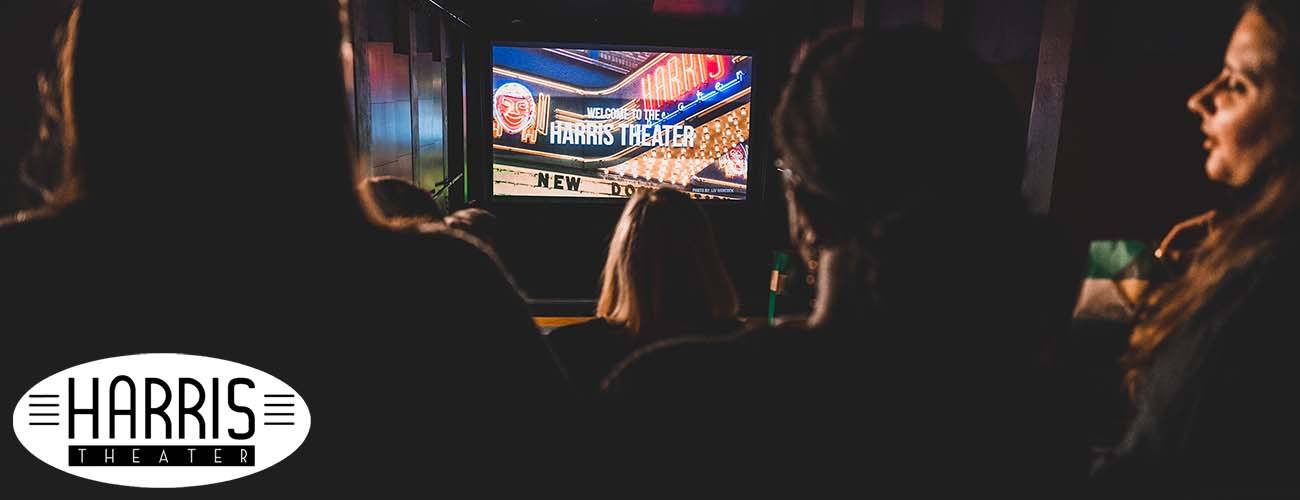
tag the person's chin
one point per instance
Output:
(1218, 172)
(1214, 171)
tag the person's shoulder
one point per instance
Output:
(454, 251)
(432, 235)
(1273, 269)
(698, 360)
(718, 327)
(737, 341)
(1282, 255)
(1258, 295)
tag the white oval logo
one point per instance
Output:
(161, 420)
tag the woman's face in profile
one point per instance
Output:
(1240, 108)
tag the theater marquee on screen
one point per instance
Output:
(606, 123)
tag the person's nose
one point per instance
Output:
(1202, 102)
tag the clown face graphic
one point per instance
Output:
(736, 162)
(513, 107)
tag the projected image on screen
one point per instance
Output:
(606, 123)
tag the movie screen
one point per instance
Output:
(596, 123)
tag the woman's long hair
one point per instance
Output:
(44, 170)
(664, 270)
(240, 115)
(1271, 209)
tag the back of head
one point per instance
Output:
(903, 144)
(664, 267)
(905, 159)
(234, 111)
(399, 200)
(878, 124)
(478, 222)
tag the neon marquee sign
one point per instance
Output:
(680, 75)
(700, 96)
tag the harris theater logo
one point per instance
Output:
(161, 420)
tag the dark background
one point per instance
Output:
(1129, 162)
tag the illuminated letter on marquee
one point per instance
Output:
(679, 75)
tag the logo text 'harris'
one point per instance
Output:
(161, 420)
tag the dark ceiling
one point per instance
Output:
(497, 12)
